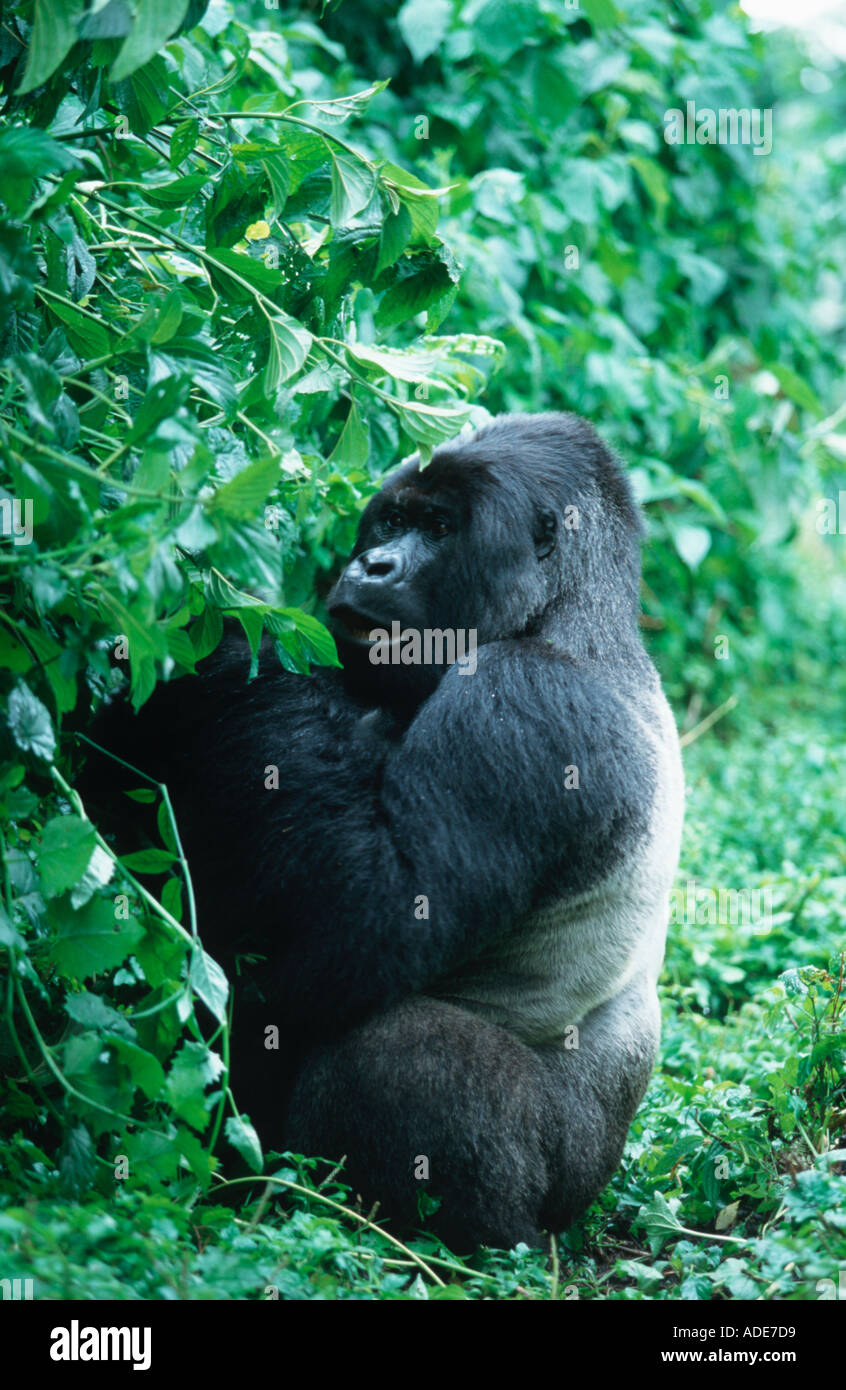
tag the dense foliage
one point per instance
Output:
(247, 260)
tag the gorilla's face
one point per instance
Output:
(481, 545)
(446, 551)
(406, 549)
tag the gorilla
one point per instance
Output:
(447, 863)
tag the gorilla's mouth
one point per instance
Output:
(353, 623)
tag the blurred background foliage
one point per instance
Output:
(251, 255)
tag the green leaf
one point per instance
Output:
(353, 185)
(26, 155)
(91, 940)
(172, 898)
(155, 21)
(796, 388)
(654, 180)
(602, 13)
(67, 843)
(209, 983)
(290, 344)
(692, 544)
(30, 723)
(91, 1011)
(98, 871)
(49, 653)
(252, 621)
(145, 1070)
(419, 200)
(85, 334)
(176, 193)
(170, 318)
(659, 1221)
(206, 632)
(395, 236)
(256, 272)
(432, 424)
(316, 641)
(336, 110)
(13, 654)
(148, 861)
(428, 282)
(423, 25)
(180, 648)
(244, 495)
(184, 140)
(194, 1068)
(54, 34)
(243, 1137)
(403, 364)
(353, 447)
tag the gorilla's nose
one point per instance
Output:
(382, 563)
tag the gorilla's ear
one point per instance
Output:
(546, 524)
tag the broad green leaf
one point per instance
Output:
(654, 179)
(170, 317)
(242, 1136)
(13, 654)
(145, 1069)
(30, 723)
(244, 495)
(796, 388)
(336, 110)
(193, 1069)
(67, 844)
(155, 21)
(602, 13)
(256, 272)
(428, 282)
(394, 236)
(290, 344)
(91, 940)
(353, 185)
(353, 446)
(27, 154)
(252, 621)
(401, 363)
(209, 983)
(316, 642)
(177, 193)
(91, 1011)
(423, 25)
(206, 632)
(432, 424)
(54, 34)
(148, 861)
(184, 140)
(99, 870)
(659, 1221)
(692, 544)
(85, 334)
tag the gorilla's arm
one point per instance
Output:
(314, 826)
(467, 816)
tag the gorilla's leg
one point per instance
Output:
(596, 1088)
(514, 1139)
(428, 1083)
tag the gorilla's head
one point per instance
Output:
(527, 529)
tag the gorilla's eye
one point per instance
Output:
(394, 519)
(439, 526)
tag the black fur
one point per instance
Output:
(404, 1037)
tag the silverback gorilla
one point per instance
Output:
(456, 882)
